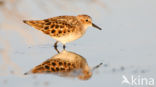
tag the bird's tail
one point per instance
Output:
(27, 73)
(29, 22)
(34, 23)
(25, 21)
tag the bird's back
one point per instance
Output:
(56, 26)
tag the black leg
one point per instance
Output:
(64, 46)
(57, 50)
(55, 46)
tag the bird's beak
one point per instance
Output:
(96, 26)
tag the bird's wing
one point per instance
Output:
(53, 66)
(54, 26)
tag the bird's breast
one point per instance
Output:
(69, 37)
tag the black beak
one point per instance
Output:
(96, 26)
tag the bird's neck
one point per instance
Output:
(85, 27)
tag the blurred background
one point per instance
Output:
(126, 45)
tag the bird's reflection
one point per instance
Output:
(65, 63)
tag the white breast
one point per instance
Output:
(72, 36)
(68, 38)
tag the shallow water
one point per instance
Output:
(126, 45)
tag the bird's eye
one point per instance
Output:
(86, 20)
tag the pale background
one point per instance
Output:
(126, 45)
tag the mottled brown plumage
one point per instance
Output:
(64, 29)
(67, 64)
(57, 26)
(55, 65)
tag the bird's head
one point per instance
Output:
(87, 21)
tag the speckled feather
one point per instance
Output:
(63, 29)
(56, 26)
(55, 66)
(64, 64)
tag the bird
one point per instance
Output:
(65, 64)
(63, 29)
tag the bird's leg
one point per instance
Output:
(57, 50)
(55, 46)
(64, 46)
